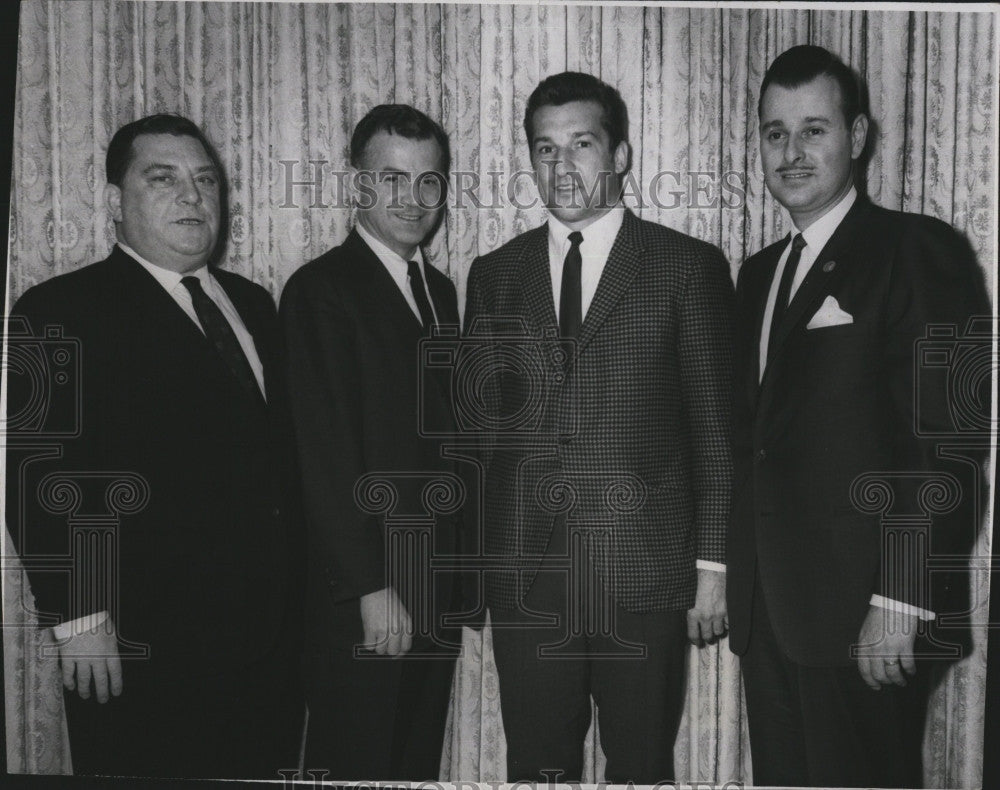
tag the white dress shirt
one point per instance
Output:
(399, 269)
(598, 239)
(171, 282)
(816, 236)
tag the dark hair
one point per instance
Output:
(119, 155)
(797, 66)
(574, 86)
(399, 119)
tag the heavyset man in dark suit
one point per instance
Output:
(378, 666)
(179, 441)
(829, 322)
(606, 464)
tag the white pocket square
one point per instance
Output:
(829, 314)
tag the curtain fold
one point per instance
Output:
(278, 87)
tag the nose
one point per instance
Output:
(188, 191)
(793, 148)
(562, 163)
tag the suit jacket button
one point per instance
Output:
(761, 455)
(276, 512)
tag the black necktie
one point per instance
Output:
(784, 289)
(420, 295)
(218, 330)
(571, 295)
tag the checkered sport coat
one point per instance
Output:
(626, 433)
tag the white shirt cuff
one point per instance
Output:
(899, 606)
(708, 565)
(86, 623)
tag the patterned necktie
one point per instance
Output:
(571, 295)
(220, 333)
(420, 295)
(784, 289)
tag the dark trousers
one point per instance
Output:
(823, 726)
(245, 725)
(632, 664)
(375, 717)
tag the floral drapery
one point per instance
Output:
(278, 88)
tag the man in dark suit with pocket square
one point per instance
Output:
(841, 495)
(153, 505)
(380, 496)
(605, 455)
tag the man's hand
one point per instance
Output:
(388, 628)
(707, 622)
(885, 647)
(92, 656)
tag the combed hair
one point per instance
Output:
(802, 64)
(572, 86)
(119, 155)
(399, 119)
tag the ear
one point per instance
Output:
(621, 157)
(859, 135)
(113, 200)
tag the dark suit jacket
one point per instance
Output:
(630, 437)
(359, 402)
(203, 564)
(834, 404)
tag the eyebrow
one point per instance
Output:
(810, 119)
(161, 166)
(585, 133)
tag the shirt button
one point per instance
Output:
(761, 455)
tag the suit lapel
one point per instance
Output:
(537, 291)
(253, 325)
(756, 297)
(833, 263)
(388, 294)
(624, 262)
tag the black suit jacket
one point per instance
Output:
(630, 437)
(204, 529)
(838, 403)
(360, 405)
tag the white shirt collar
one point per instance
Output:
(166, 277)
(390, 259)
(819, 233)
(598, 237)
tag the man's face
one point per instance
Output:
(807, 149)
(577, 171)
(399, 190)
(167, 208)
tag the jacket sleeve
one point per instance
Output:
(324, 396)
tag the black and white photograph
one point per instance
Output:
(458, 394)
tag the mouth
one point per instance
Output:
(795, 175)
(189, 221)
(411, 218)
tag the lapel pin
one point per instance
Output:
(829, 266)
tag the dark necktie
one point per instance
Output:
(784, 289)
(420, 295)
(218, 330)
(571, 294)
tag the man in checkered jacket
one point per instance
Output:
(604, 402)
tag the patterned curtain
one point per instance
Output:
(279, 87)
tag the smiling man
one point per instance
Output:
(177, 657)
(825, 608)
(377, 674)
(607, 510)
